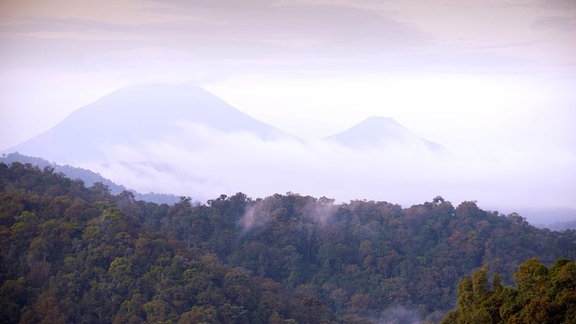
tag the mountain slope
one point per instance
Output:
(136, 115)
(379, 132)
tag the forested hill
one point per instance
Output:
(76, 254)
(70, 254)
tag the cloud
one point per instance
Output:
(399, 315)
(258, 25)
(318, 210)
(227, 163)
(257, 29)
(320, 35)
(121, 12)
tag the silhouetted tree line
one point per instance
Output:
(76, 254)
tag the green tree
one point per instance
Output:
(540, 296)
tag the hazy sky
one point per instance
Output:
(448, 70)
(497, 76)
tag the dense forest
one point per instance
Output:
(71, 253)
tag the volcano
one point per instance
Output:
(134, 116)
(380, 132)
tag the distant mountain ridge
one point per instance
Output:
(88, 177)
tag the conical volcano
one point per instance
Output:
(132, 116)
(379, 132)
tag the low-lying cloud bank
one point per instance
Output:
(230, 162)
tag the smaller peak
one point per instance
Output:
(380, 119)
(379, 123)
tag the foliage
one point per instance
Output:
(541, 295)
(70, 254)
(364, 257)
(76, 254)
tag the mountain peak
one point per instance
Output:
(134, 115)
(379, 119)
(166, 104)
(378, 131)
(378, 123)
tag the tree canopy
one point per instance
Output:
(541, 295)
(70, 253)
